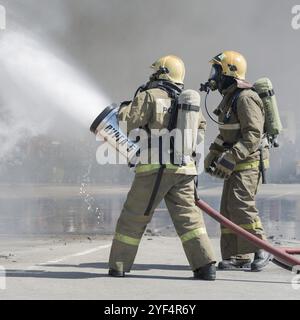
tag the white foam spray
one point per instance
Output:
(37, 84)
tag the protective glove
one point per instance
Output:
(209, 161)
(225, 165)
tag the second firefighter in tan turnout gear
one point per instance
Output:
(235, 156)
(150, 109)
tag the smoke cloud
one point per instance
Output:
(114, 42)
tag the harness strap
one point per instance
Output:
(173, 92)
(155, 190)
(188, 107)
(269, 93)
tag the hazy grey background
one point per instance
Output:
(113, 42)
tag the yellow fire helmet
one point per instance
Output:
(169, 68)
(233, 64)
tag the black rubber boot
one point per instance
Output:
(207, 272)
(234, 264)
(115, 273)
(261, 260)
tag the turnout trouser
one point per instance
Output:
(238, 205)
(178, 192)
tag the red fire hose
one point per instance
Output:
(281, 255)
(290, 250)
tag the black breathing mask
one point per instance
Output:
(216, 80)
(213, 80)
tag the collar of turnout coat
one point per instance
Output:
(239, 84)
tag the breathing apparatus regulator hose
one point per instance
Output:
(206, 108)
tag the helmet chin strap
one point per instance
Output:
(155, 76)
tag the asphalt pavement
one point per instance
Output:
(75, 267)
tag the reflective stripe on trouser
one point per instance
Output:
(250, 226)
(238, 205)
(251, 165)
(154, 167)
(178, 192)
(127, 240)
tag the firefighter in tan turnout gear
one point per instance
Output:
(152, 108)
(237, 155)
